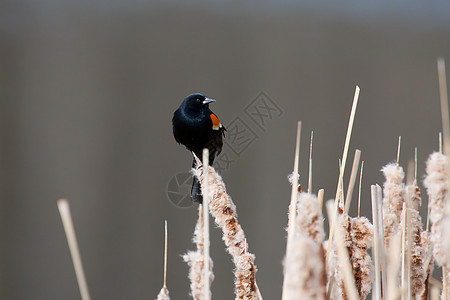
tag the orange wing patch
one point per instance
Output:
(215, 122)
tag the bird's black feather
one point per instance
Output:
(193, 128)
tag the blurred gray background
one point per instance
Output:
(87, 92)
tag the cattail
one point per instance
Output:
(195, 260)
(332, 291)
(446, 234)
(418, 274)
(362, 239)
(341, 271)
(446, 249)
(428, 266)
(163, 294)
(436, 182)
(336, 268)
(310, 223)
(309, 218)
(304, 270)
(394, 195)
(393, 262)
(223, 210)
(304, 266)
(446, 293)
(357, 238)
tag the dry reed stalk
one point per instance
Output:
(444, 104)
(336, 262)
(66, 217)
(223, 210)
(320, 194)
(393, 267)
(344, 225)
(357, 236)
(446, 130)
(418, 273)
(195, 260)
(310, 164)
(294, 190)
(258, 291)
(205, 189)
(351, 185)
(164, 292)
(378, 239)
(445, 283)
(405, 226)
(434, 293)
(394, 197)
(436, 182)
(435, 282)
(446, 233)
(339, 190)
(292, 211)
(359, 188)
(343, 272)
(446, 249)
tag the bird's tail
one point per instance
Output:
(196, 190)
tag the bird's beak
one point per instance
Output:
(208, 100)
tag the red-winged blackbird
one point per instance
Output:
(197, 127)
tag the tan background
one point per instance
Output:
(87, 92)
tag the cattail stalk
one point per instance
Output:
(351, 185)
(164, 292)
(428, 264)
(223, 210)
(339, 190)
(66, 217)
(304, 269)
(394, 197)
(344, 273)
(418, 273)
(445, 283)
(362, 238)
(195, 260)
(292, 211)
(344, 225)
(378, 239)
(436, 182)
(309, 220)
(310, 164)
(446, 249)
(434, 293)
(205, 189)
(393, 267)
(406, 253)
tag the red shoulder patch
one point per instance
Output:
(215, 122)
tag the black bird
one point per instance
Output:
(197, 127)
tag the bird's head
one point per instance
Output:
(197, 102)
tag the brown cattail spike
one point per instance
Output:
(223, 210)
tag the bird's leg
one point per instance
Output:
(199, 163)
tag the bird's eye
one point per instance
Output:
(199, 100)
